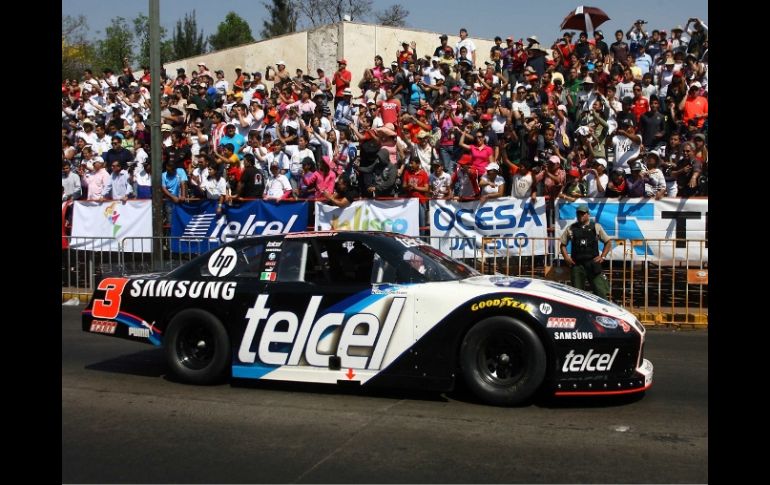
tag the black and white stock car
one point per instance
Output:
(373, 309)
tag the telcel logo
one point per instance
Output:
(590, 362)
(305, 336)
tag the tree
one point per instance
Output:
(77, 53)
(394, 16)
(142, 31)
(319, 12)
(187, 42)
(234, 31)
(117, 44)
(283, 19)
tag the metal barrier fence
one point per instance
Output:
(83, 261)
(660, 290)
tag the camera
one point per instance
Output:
(640, 21)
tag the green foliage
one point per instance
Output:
(283, 19)
(234, 31)
(394, 16)
(186, 41)
(142, 31)
(77, 53)
(117, 46)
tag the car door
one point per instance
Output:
(319, 317)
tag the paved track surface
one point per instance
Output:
(124, 421)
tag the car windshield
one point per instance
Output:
(435, 265)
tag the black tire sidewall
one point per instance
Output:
(215, 371)
(535, 358)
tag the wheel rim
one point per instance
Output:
(502, 359)
(195, 346)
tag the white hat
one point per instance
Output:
(601, 162)
(280, 63)
(347, 92)
(493, 166)
(695, 84)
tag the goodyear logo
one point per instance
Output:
(500, 303)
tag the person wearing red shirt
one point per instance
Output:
(341, 80)
(390, 109)
(641, 105)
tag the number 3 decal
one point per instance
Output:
(109, 306)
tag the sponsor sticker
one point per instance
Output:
(561, 322)
(573, 336)
(183, 289)
(139, 332)
(222, 261)
(103, 326)
(509, 282)
(274, 244)
(502, 302)
(591, 362)
(268, 276)
(271, 256)
(545, 309)
(303, 333)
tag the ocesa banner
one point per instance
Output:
(196, 228)
(664, 224)
(457, 228)
(401, 216)
(99, 226)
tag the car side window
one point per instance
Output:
(292, 260)
(340, 263)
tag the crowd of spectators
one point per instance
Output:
(582, 118)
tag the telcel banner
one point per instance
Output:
(401, 216)
(456, 228)
(196, 228)
(664, 224)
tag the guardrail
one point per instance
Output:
(659, 289)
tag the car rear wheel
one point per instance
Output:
(502, 360)
(197, 347)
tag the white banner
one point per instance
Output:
(461, 225)
(401, 216)
(101, 225)
(660, 222)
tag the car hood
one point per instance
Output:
(552, 291)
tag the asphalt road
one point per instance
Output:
(124, 421)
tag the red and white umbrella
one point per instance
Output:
(584, 19)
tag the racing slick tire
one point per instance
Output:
(197, 347)
(502, 360)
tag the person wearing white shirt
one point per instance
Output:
(277, 186)
(596, 179)
(214, 187)
(467, 43)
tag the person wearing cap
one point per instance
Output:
(468, 44)
(694, 107)
(601, 46)
(678, 44)
(466, 178)
(596, 178)
(491, 183)
(584, 260)
(341, 79)
(221, 84)
(439, 51)
(344, 114)
(98, 180)
(203, 70)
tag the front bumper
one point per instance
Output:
(603, 385)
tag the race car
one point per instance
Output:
(373, 309)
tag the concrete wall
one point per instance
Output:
(321, 47)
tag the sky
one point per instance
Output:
(482, 18)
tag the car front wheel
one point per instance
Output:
(502, 360)
(197, 347)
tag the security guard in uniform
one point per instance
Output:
(585, 261)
